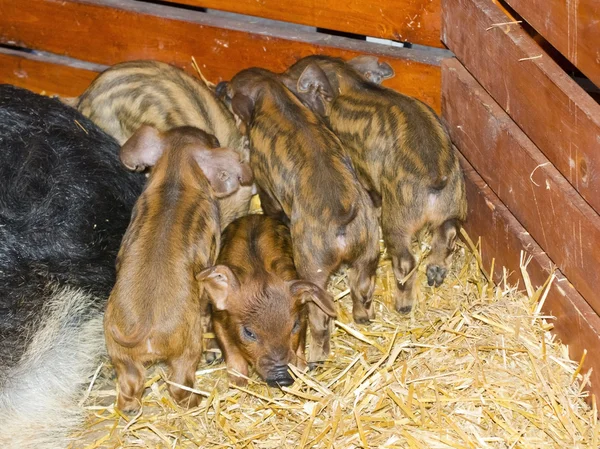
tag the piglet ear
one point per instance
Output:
(142, 149)
(313, 78)
(223, 169)
(314, 88)
(371, 68)
(309, 292)
(218, 282)
(243, 107)
(213, 141)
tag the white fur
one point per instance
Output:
(39, 400)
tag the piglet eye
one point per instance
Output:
(296, 327)
(248, 334)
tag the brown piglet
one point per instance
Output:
(155, 310)
(258, 302)
(306, 179)
(402, 154)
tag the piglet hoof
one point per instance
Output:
(238, 381)
(213, 357)
(404, 310)
(301, 365)
(317, 357)
(435, 275)
(404, 305)
(193, 400)
(363, 315)
(129, 407)
(314, 365)
(362, 320)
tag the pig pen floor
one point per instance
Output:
(473, 366)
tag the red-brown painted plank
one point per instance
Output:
(572, 27)
(110, 31)
(503, 239)
(50, 75)
(560, 118)
(416, 21)
(551, 210)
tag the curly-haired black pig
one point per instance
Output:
(402, 154)
(65, 202)
(306, 178)
(259, 302)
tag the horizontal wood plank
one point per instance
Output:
(573, 28)
(551, 210)
(49, 74)
(111, 31)
(502, 240)
(416, 21)
(562, 120)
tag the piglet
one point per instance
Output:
(155, 310)
(306, 178)
(402, 154)
(136, 93)
(258, 301)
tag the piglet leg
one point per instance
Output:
(319, 322)
(210, 344)
(442, 245)
(361, 279)
(311, 266)
(183, 372)
(320, 331)
(403, 263)
(131, 377)
(301, 351)
(236, 363)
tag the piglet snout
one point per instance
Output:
(279, 376)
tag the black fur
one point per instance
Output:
(65, 202)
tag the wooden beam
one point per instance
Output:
(503, 239)
(560, 118)
(416, 21)
(47, 74)
(571, 27)
(551, 210)
(110, 31)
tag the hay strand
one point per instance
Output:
(473, 366)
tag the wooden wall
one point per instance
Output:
(109, 31)
(415, 21)
(530, 141)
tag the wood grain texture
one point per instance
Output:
(503, 239)
(560, 118)
(551, 210)
(416, 21)
(50, 75)
(110, 31)
(572, 27)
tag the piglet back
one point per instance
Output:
(134, 93)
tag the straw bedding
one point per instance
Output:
(473, 366)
